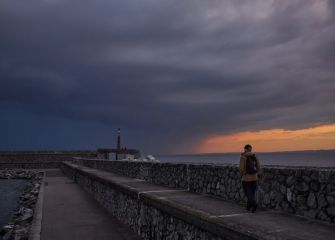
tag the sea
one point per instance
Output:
(10, 190)
(318, 158)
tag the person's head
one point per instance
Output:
(248, 148)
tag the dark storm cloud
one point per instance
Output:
(170, 72)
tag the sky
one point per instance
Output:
(185, 76)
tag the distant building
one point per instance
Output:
(119, 152)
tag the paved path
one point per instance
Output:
(71, 214)
(268, 224)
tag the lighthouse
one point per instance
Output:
(118, 144)
(120, 152)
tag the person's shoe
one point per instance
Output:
(254, 208)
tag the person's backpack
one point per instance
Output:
(250, 164)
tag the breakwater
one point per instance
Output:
(161, 212)
(150, 216)
(40, 159)
(308, 192)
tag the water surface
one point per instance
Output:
(10, 190)
(325, 158)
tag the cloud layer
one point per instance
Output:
(170, 73)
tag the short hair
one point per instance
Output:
(247, 146)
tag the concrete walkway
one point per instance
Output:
(71, 214)
(268, 224)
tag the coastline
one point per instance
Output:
(18, 227)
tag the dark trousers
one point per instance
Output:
(249, 191)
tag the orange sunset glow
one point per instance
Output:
(314, 138)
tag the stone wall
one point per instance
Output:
(167, 174)
(309, 192)
(147, 215)
(39, 159)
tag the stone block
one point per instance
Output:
(267, 199)
(306, 179)
(330, 187)
(315, 186)
(281, 179)
(315, 175)
(322, 201)
(332, 179)
(311, 201)
(323, 216)
(330, 199)
(301, 199)
(324, 176)
(285, 206)
(283, 189)
(331, 211)
(289, 195)
(311, 213)
(302, 187)
(290, 181)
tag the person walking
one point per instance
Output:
(249, 170)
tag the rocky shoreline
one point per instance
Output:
(19, 225)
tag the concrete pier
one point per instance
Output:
(71, 214)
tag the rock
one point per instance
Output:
(298, 173)
(285, 206)
(273, 195)
(8, 227)
(310, 214)
(281, 179)
(306, 179)
(315, 175)
(266, 199)
(330, 187)
(324, 176)
(279, 198)
(267, 176)
(331, 211)
(27, 216)
(282, 189)
(302, 187)
(322, 201)
(266, 187)
(222, 188)
(315, 186)
(330, 199)
(311, 201)
(289, 195)
(323, 216)
(301, 199)
(21, 233)
(8, 235)
(332, 179)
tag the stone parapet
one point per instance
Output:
(148, 215)
(159, 212)
(304, 191)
